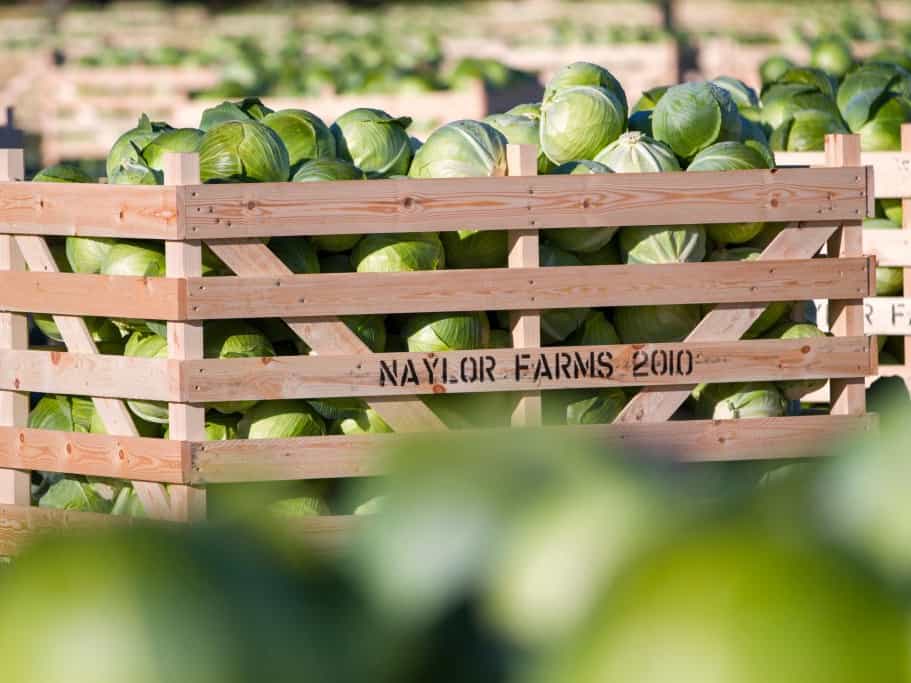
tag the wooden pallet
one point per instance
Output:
(888, 316)
(822, 206)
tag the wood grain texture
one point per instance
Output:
(691, 440)
(524, 253)
(576, 367)
(906, 250)
(325, 336)
(19, 525)
(846, 316)
(96, 455)
(514, 203)
(85, 374)
(891, 170)
(890, 247)
(15, 486)
(113, 412)
(89, 210)
(121, 296)
(525, 288)
(726, 322)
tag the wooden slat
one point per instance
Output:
(326, 336)
(692, 440)
(890, 247)
(906, 230)
(15, 486)
(186, 422)
(725, 322)
(846, 316)
(554, 201)
(88, 210)
(525, 288)
(524, 253)
(892, 170)
(57, 372)
(113, 413)
(120, 296)
(393, 374)
(20, 524)
(97, 455)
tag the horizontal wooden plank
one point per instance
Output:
(572, 367)
(123, 296)
(526, 288)
(89, 210)
(523, 202)
(57, 372)
(20, 524)
(689, 440)
(883, 315)
(890, 247)
(891, 170)
(96, 455)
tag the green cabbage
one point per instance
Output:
(170, 141)
(374, 141)
(599, 406)
(579, 121)
(281, 420)
(780, 102)
(585, 74)
(833, 55)
(738, 401)
(385, 253)
(304, 135)
(663, 244)
(462, 149)
(62, 173)
(596, 330)
(874, 101)
(128, 147)
(475, 248)
(366, 421)
(805, 131)
(774, 68)
(296, 253)
(249, 109)
(650, 98)
(521, 130)
(742, 94)
(693, 116)
(145, 345)
(432, 332)
(635, 152)
(665, 323)
(580, 239)
(243, 151)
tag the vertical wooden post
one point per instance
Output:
(15, 486)
(523, 253)
(906, 272)
(846, 317)
(185, 421)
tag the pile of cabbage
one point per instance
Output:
(839, 94)
(582, 126)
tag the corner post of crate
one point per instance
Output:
(15, 486)
(522, 160)
(186, 422)
(906, 272)
(846, 317)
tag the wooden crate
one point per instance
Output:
(888, 316)
(821, 205)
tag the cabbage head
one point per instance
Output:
(134, 172)
(129, 146)
(75, 494)
(304, 135)
(101, 329)
(794, 390)
(530, 110)
(781, 101)
(806, 76)
(635, 152)
(301, 506)
(558, 323)
(832, 54)
(499, 339)
(243, 151)
(742, 94)
(586, 74)
(663, 244)
(891, 209)
(145, 345)
(874, 101)
(805, 131)
(596, 330)
(296, 253)
(62, 173)
(367, 421)
(738, 401)
(374, 141)
(598, 406)
(53, 413)
(730, 156)
(580, 239)
(136, 258)
(281, 420)
(249, 109)
(432, 332)
(774, 68)
(579, 121)
(522, 130)
(890, 280)
(389, 253)
(650, 98)
(475, 248)
(693, 116)
(462, 149)
(170, 141)
(664, 323)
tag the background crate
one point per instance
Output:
(888, 316)
(822, 206)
